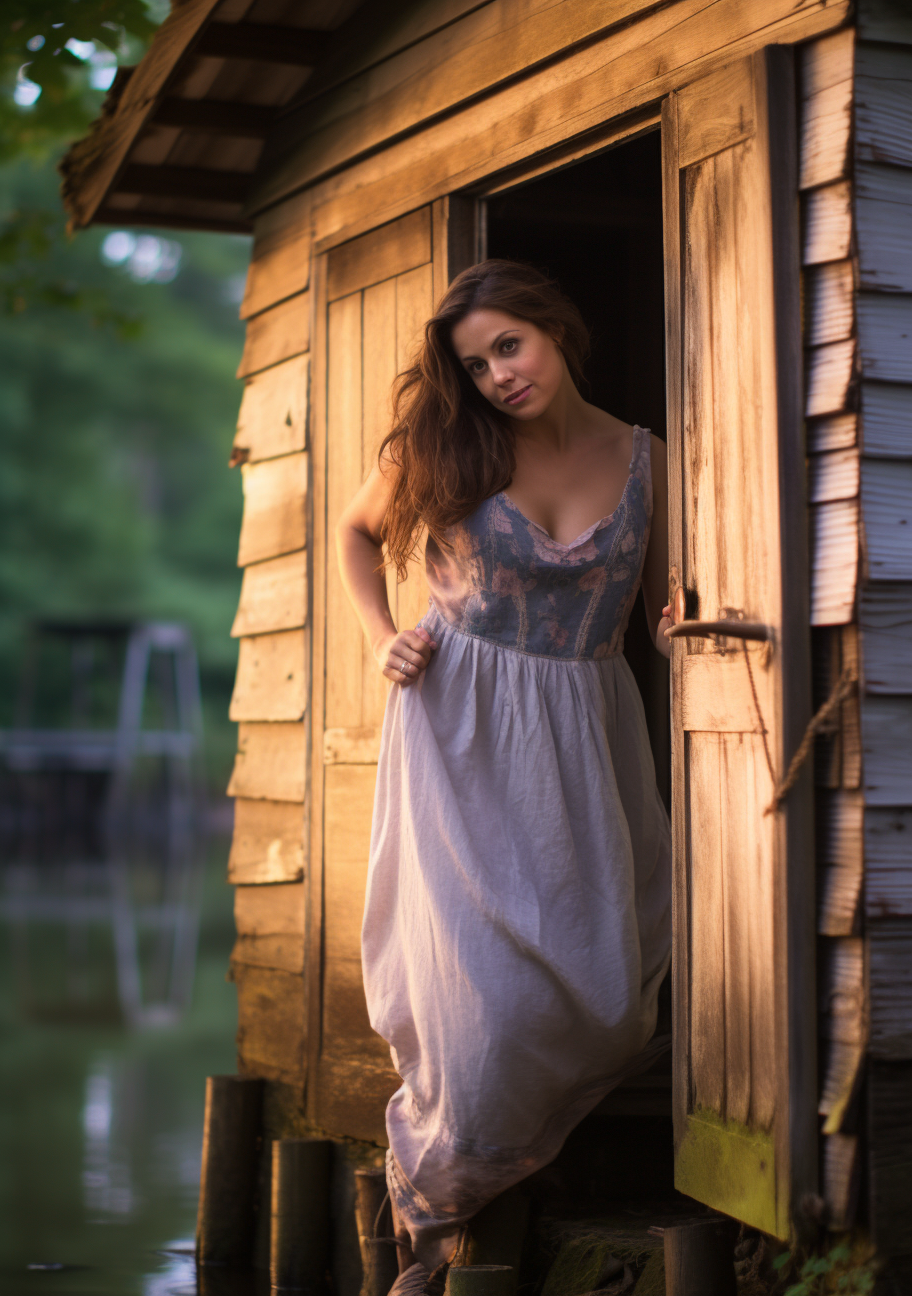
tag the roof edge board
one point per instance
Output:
(91, 165)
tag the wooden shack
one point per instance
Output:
(726, 190)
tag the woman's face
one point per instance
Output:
(513, 363)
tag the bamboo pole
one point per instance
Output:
(299, 1256)
(226, 1217)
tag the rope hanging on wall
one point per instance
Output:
(824, 721)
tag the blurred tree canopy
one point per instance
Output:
(116, 413)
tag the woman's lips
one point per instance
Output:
(518, 396)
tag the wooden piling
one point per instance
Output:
(699, 1258)
(226, 1217)
(379, 1265)
(481, 1280)
(299, 1255)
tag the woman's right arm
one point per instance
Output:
(400, 655)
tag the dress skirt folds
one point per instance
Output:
(517, 924)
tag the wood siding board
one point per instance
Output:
(381, 254)
(270, 926)
(886, 500)
(280, 265)
(829, 303)
(833, 476)
(283, 952)
(888, 863)
(270, 762)
(889, 953)
(834, 562)
(883, 106)
(884, 20)
(275, 502)
(826, 224)
(840, 858)
(885, 618)
(271, 680)
(360, 746)
(836, 432)
(273, 415)
(640, 63)
(883, 217)
(885, 336)
(826, 126)
(272, 1030)
(268, 844)
(887, 420)
(276, 334)
(841, 1175)
(886, 729)
(829, 374)
(273, 596)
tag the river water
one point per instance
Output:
(101, 1123)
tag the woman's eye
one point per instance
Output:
(477, 366)
(510, 344)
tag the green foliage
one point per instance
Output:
(115, 497)
(34, 56)
(844, 1269)
(33, 44)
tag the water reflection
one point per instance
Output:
(100, 1114)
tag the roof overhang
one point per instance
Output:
(180, 136)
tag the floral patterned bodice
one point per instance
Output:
(505, 580)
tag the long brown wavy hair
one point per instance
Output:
(450, 447)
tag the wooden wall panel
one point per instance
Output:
(840, 861)
(275, 517)
(280, 265)
(834, 562)
(888, 867)
(890, 974)
(829, 303)
(640, 61)
(277, 334)
(273, 595)
(273, 415)
(883, 212)
(825, 114)
(269, 921)
(886, 497)
(833, 432)
(343, 478)
(885, 617)
(884, 333)
(886, 728)
(826, 224)
(382, 254)
(883, 101)
(887, 416)
(271, 681)
(272, 1028)
(270, 762)
(268, 844)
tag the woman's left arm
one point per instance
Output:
(655, 570)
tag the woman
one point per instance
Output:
(517, 923)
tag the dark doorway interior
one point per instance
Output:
(596, 227)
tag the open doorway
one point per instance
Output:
(596, 227)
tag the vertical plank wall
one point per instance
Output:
(377, 293)
(857, 256)
(268, 854)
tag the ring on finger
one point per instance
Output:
(402, 666)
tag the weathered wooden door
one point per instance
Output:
(744, 934)
(373, 296)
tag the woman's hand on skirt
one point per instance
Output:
(403, 656)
